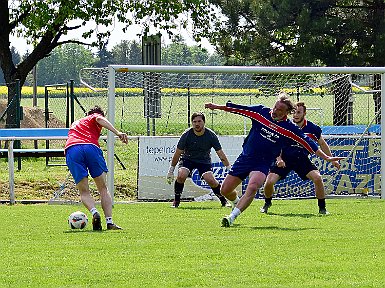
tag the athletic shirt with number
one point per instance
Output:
(198, 148)
(84, 131)
(311, 130)
(267, 136)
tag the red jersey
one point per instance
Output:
(84, 131)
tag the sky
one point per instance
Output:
(117, 35)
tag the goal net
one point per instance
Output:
(156, 102)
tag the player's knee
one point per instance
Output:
(317, 179)
(254, 186)
(269, 185)
(225, 191)
(212, 182)
(181, 178)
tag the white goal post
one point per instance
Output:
(113, 70)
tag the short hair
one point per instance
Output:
(96, 109)
(301, 104)
(283, 98)
(196, 114)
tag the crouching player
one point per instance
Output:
(84, 155)
(193, 152)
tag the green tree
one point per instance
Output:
(44, 23)
(64, 64)
(104, 56)
(127, 52)
(301, 32)
(135, 53)
(179, 53)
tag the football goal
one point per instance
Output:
(159, 100)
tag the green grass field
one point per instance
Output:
(186, 247)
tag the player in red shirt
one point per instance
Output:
(83, 155)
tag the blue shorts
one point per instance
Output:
(82, 158)
(300, 165)
(244, 165)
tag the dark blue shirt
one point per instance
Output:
(311, 130)
(267, 136)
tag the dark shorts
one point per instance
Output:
(82, 158)
(301, 165)
(191, 165)
(244, 165)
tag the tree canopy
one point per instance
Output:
(43, 23)
(301, 32)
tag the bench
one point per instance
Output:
(33, 134)
(14, 134)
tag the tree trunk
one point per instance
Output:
(13, 108)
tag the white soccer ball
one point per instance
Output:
(77, 220)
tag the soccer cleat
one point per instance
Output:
(175, 204)
(323, 211)
(112, 226)
(227, 221)
(96, 222)
(265, 208)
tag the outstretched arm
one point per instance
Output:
(214, 106)
(326, 149)
(328, 158)
(107, 124)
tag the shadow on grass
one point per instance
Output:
(239, 226)
(91, 231)
(279, 228)
(305, 215)
(194, 208)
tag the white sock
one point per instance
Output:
(109, 220)
(235, 213)
(93, 211)
(234, 202)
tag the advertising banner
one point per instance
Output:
(360, 174)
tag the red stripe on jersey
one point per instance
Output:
(312, 136)
(287, 133)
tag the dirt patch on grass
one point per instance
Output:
(33, 117)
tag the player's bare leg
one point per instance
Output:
(228, 188)
(85, 195)
(89, 203)
(256, 180)
(268, 189)
(106, 201)
(319, 188)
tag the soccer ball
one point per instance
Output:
(77, 220)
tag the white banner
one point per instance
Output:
(155, 154)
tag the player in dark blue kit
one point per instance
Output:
(295, 158)
(271, 131)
